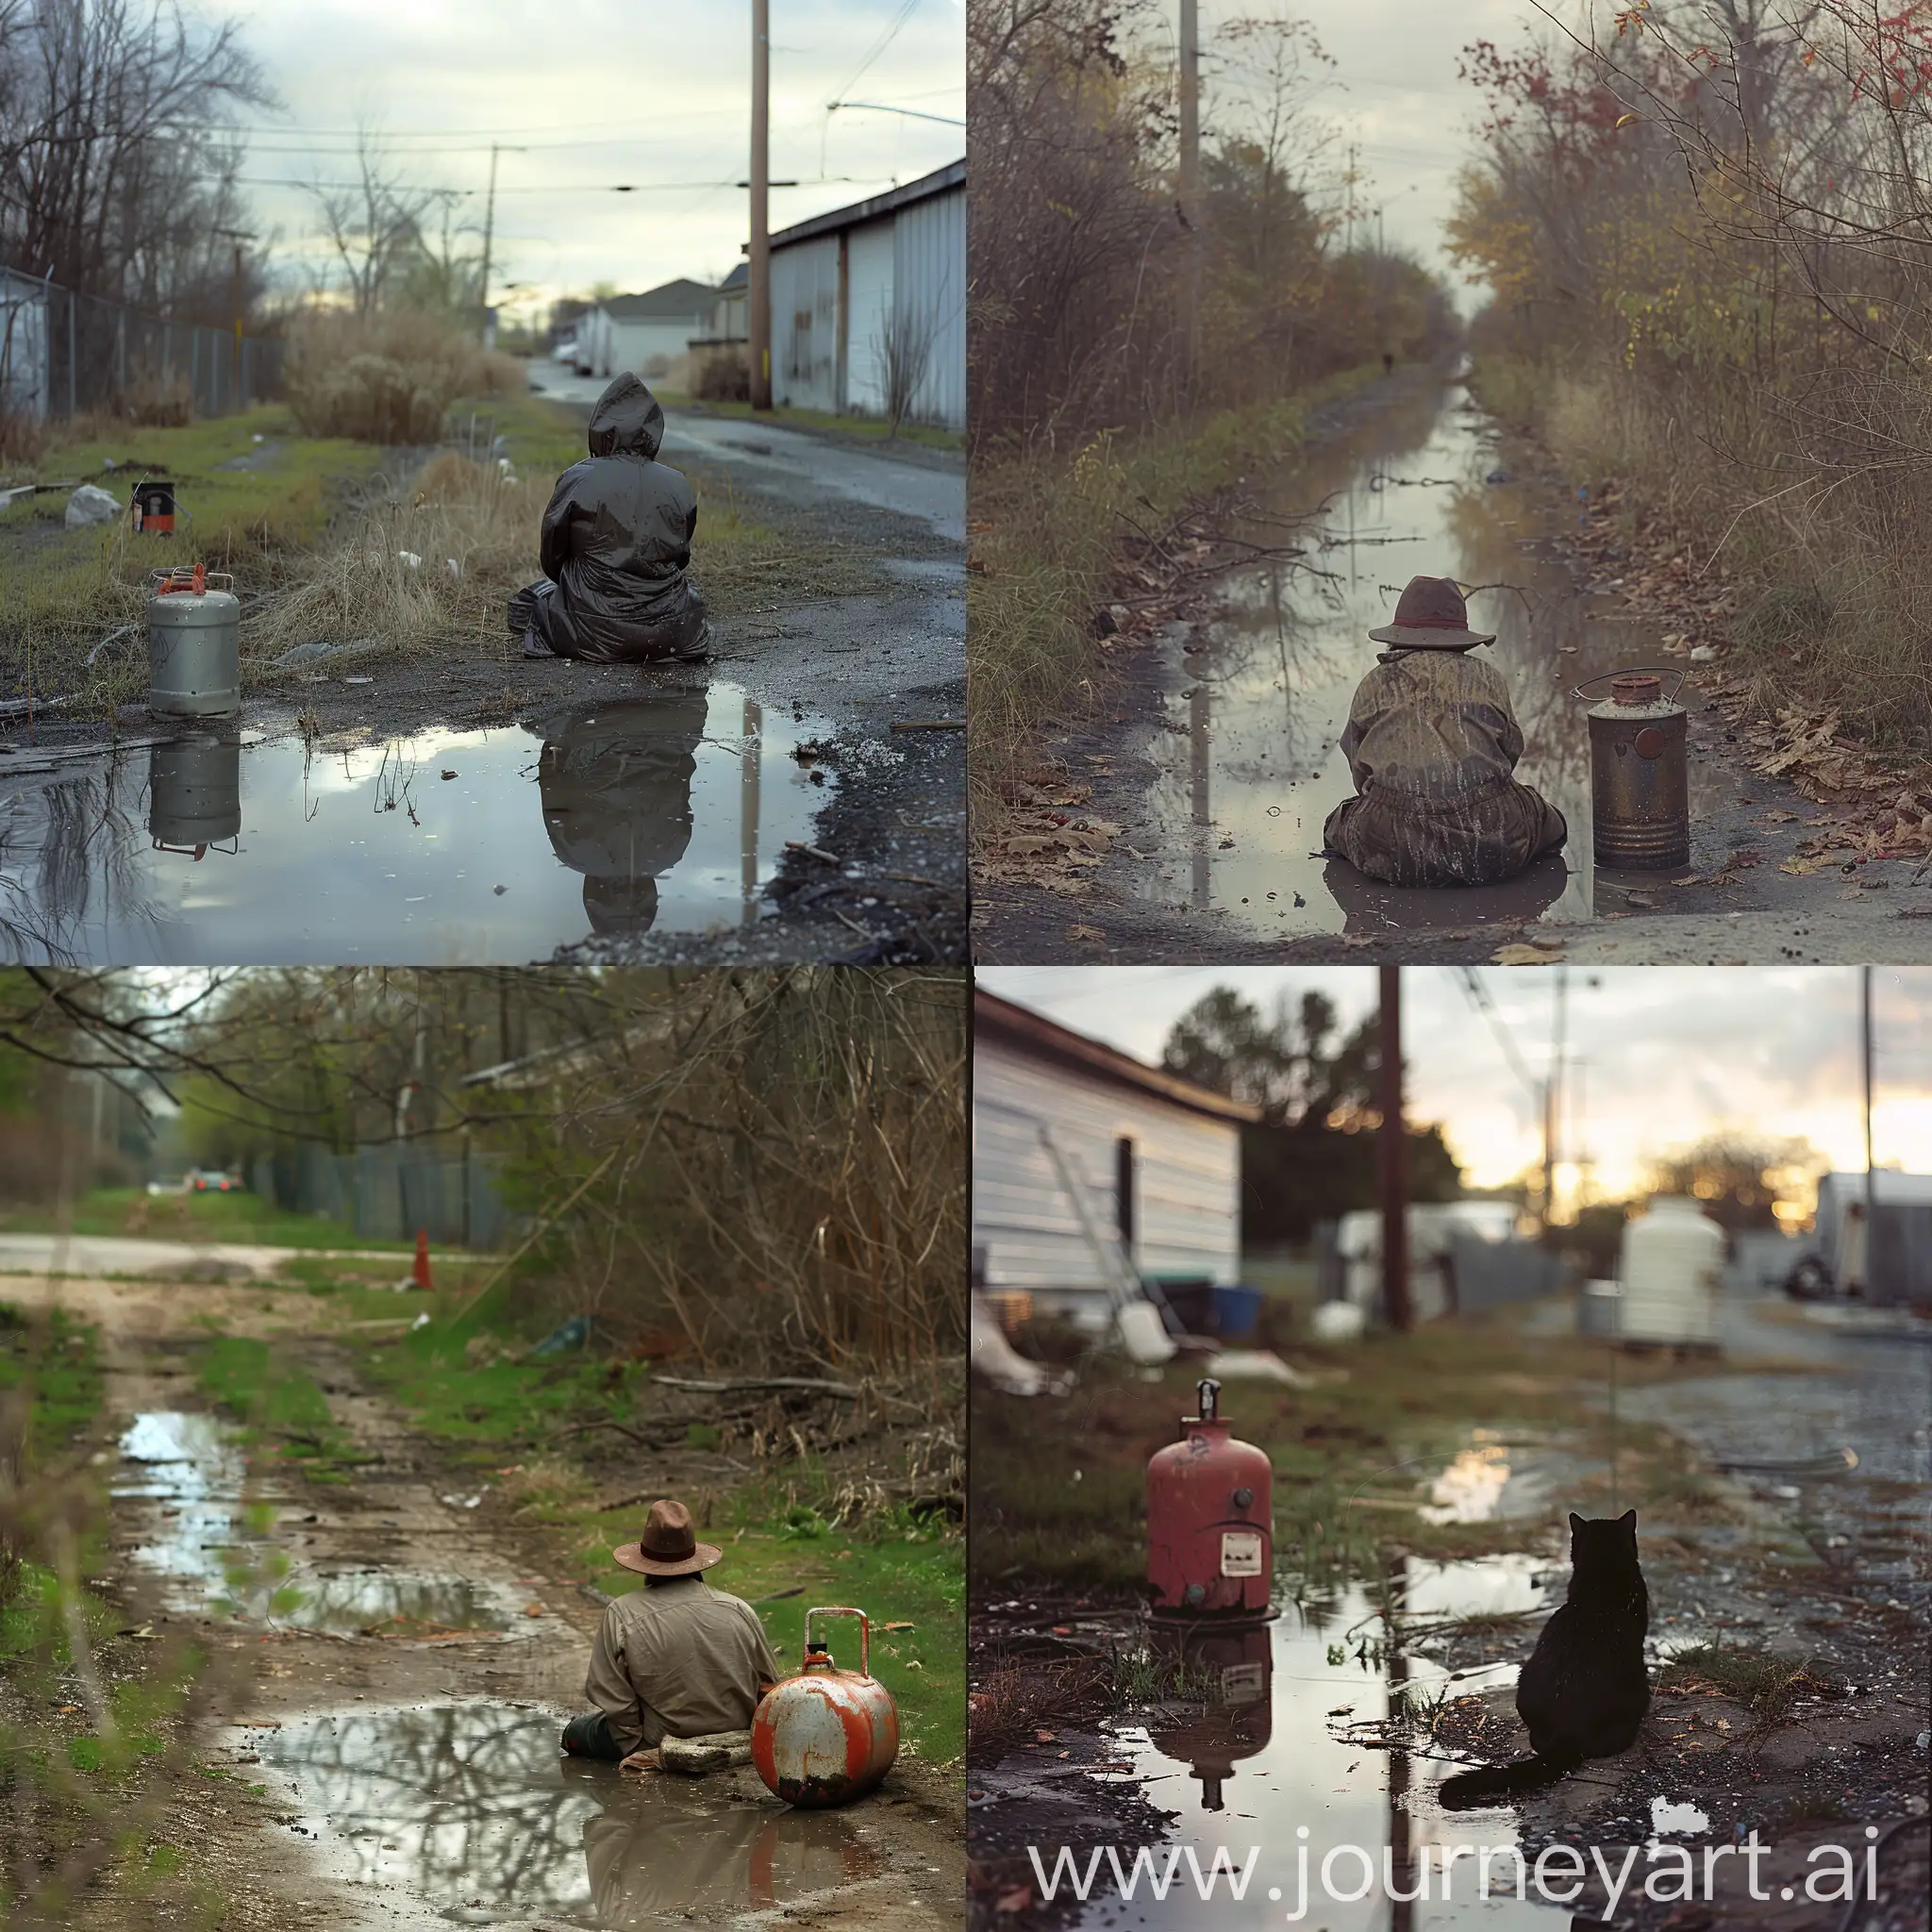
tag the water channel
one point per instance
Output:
(668, 811)
(1248, 752)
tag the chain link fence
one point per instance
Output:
(63, 354)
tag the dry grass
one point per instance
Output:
(388, 378)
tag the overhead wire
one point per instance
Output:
(1478, 996)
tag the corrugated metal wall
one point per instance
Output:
(804, 325)
(870, 265)
(1187, 1217)
(929, 269)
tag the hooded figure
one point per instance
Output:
(1432, 744)
(616, 544)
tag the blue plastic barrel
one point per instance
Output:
(1237, 1310)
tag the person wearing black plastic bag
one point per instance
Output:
(615, 548)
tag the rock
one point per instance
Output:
(89, 504)
(715, 1750)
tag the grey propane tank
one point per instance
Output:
(195, 792)
(193, 642)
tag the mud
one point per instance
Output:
(401, 1670)
(1217, 753)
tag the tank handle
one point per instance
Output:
(1207, 1394)
(864, 1632)
(1682, 675)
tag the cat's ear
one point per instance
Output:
(1576, 1522)
(1628, 1520)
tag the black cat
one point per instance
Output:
(1584, 1692)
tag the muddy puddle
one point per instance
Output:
(1248, 752)
(1280, 1758)
(225, 1545)
(667, 811)
(469, 1808)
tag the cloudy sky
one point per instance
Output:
(1670, 1053)
(601, 92)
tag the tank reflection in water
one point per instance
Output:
(1248, 755)
(667, 810)
(214, 1539)
(470, 1808)
(1258, 1744)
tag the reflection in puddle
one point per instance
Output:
(668, 810)
(1249, 754)
(1470, 1488)
(469, 1806)
(213, 1537)
(1273, 1752)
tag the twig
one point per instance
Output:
(739, 1385)
(929, 724)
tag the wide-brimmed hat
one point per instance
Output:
(1430, 615)
(668, 1546)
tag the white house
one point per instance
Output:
(1076, 1144)
(870, 300)
(647, 334)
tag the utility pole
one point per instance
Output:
(1391, 1148)
(1865, 1051)
(240, 298)
(488, 234)
(758, 309)
(1188, 184)
(1553, 1101)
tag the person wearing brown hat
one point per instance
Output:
(1432, 743)
(673, 1659)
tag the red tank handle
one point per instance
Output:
(865, 1633)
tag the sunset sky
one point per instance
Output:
(1670, 1053)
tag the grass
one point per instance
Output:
(1768, 1685)
(242, 1217)
(58, 1361)
(279, 1402)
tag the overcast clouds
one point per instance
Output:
(601, 91)
(1672, 1054)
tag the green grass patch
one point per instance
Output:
(279, 1401)
(239, 1216)
(59, 1361)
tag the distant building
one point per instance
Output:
(868, 307)
(719, 368)
(1892, 1263)
(1076, 1143)
(647, 334)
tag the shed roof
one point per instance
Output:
(1020, 1026)
(676, 301)
(952, 176)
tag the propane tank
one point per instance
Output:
(1211, 1521)
(826, 1736)
(1640, 779)
(1233, 1672)
(193, 642)
(194, 792)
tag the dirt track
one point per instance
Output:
(412, 1777)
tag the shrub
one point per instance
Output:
(388, 378)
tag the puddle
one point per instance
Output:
(1270, 1763)
(471, 1809)
(216, 1541)
(1488, 1482)
(667, 811)
(1249, 755)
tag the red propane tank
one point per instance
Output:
(1211, 1521)
(826, 1736)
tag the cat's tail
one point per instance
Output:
(1516, 1779)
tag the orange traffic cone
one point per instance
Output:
(422, 1271)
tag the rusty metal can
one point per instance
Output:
(826, 1736)
(1211, 1521)
(1640, 777)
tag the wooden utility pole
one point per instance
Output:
(1188, 184)
(1865, 1054)
(758, 307)
(488, 234)
(1393, 1149)
(1553, 1101)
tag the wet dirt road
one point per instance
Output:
(789, 799)
(402, 1671)
(1222, 758)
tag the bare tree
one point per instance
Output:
(375, 224)
(904, 347)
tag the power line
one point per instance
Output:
(1478, 996)
(876, 49)
(572, 187)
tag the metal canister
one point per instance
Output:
(153, 510)
(194, 792)
(826, 1736)
(193, 642)
(1211, 1521)
(1639, 780)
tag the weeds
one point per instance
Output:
(1768, 1685)
(387, 377)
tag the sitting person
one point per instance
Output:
(1433, 744)
(673, 1659)
(615, 548)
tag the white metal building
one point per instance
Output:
(873, 293)
(645, 334)
(1154, 1161)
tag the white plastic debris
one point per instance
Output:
(410, 557)
(455, 570)
(422, 1321)
(1703, 654)
(1337, 1322)
(89, 506)
(259, 437)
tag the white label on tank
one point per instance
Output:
(1241, 1553)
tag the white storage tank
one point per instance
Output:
(1672, 1262)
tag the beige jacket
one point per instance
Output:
(1431, 726)
(679, 1660)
